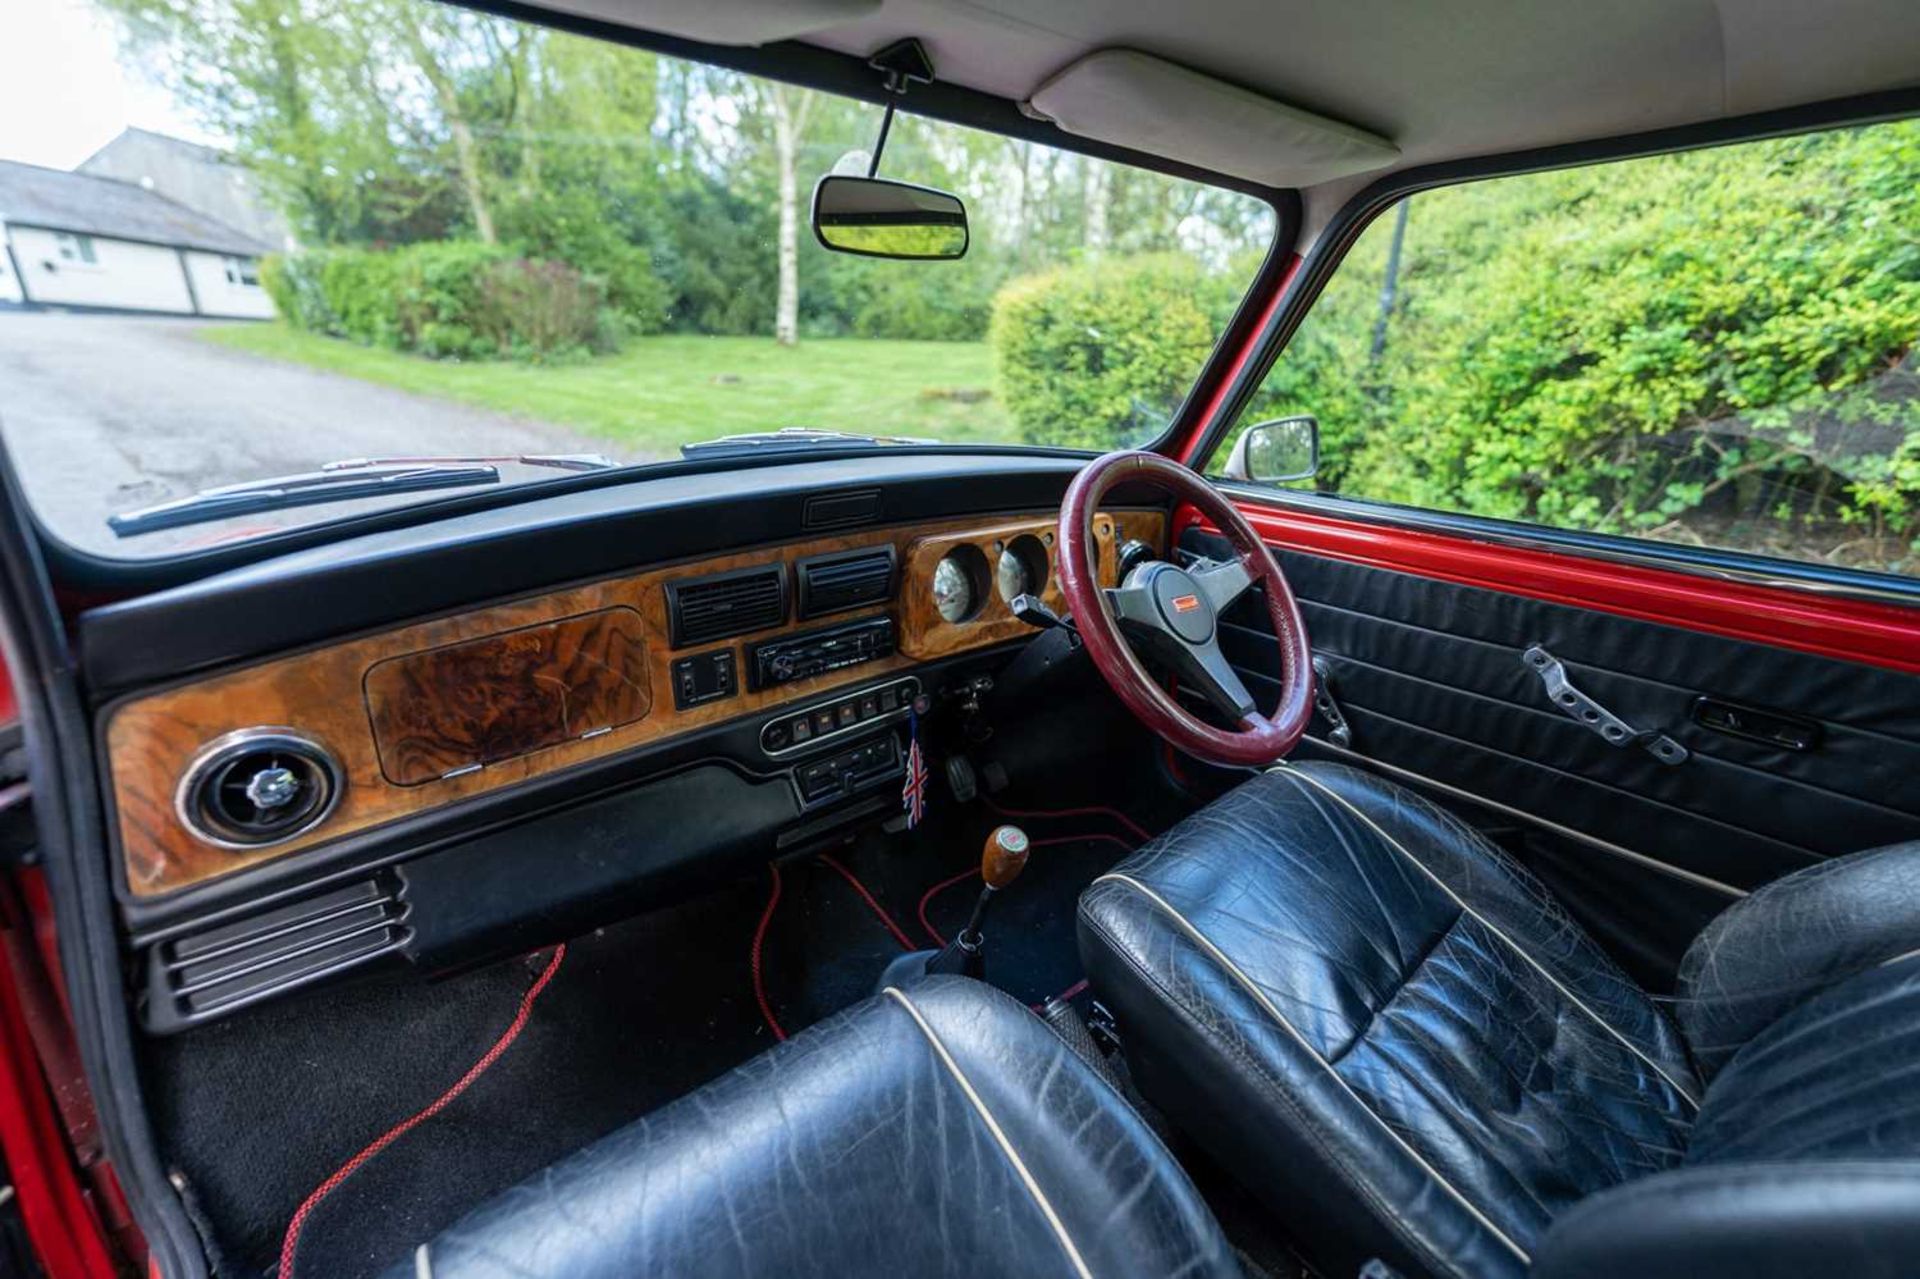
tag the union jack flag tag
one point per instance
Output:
(913, 796)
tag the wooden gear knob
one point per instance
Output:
(1004, 857)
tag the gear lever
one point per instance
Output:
(1001, 862)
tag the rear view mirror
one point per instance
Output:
(1286, 448)
(881, 219)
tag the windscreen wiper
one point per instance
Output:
(789, 437)
(558, 461)
(306, 489)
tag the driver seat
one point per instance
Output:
(1404, 1045)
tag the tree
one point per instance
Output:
(790, 108)
(420, 33)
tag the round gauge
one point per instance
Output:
(1022, 569)
(959, 583)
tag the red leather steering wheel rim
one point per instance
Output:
(1261, 739)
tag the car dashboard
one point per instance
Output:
(479, 777)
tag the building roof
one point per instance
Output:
(201, 177)
(79, 202)
(199, 150)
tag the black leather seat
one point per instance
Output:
(941, 1131)
(1399, 1040)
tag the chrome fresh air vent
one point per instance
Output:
(257, 787)
(700, 609)
(203, 974)
(836, 583)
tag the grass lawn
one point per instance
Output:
(661, 392)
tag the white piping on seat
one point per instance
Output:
(1515, 946)
(422, 1263)
(1220, 957)
(1038, 1195)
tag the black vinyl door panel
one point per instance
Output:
(1430, 676)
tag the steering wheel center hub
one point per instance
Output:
(1181, 603)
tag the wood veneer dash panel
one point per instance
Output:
(486, 700)
(329, 694)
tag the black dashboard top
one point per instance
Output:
(380, 578)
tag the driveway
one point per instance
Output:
(108, 413)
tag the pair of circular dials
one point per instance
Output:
(1021, 566)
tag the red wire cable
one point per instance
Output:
(1051, 840)
(401, 1129)
(899, 934)
(927, 897)
(1098, 810)
(753, 956)
(1064, 995)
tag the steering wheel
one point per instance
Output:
(1173, 614)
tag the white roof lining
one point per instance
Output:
(1471, 78)
(1135, 100)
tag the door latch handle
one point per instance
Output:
(1340, 733)
(1591, 715)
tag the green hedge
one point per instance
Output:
(446, 300)
(1100, 354)
(1713, 346)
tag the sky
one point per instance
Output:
(63, 94)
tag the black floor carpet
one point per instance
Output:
(257, 1110)
(825, 947)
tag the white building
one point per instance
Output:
(205, 180)
(93, 243)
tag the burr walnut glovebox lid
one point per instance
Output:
(466, 705)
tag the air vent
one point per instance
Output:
(840, 510)
(208, 973)
(258, 787)
(710, 608)
(836, 583)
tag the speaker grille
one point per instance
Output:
(259, 787)
(229, 966)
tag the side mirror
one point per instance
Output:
(1286, 448)
(880, 219)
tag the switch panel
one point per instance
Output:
(704, 677)
(848, 714)
(848, 771)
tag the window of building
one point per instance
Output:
(75, 248)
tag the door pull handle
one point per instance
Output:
(1594, 717)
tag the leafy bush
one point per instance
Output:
(1099, 355)
(573, 226)
(1715, 346)
(447, 300)
(849, 296)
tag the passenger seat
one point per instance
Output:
(943, 1130)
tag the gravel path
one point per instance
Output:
(108, 413)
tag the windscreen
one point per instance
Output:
(436, 250)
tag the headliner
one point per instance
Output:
(1443, 81)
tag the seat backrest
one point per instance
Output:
(1804, 1159)
(939, 1130)
(1796, 937)
(1381, 1025)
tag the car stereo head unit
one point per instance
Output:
(815, 652)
